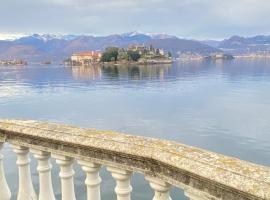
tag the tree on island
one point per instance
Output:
(110, 54)
(133, 55)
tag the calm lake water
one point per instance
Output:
(220, 106)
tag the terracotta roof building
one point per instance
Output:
(85, 57)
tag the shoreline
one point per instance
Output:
(152, 62)
(252, 57)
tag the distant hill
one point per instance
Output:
(58, 47)
(242, 45)
(176, 45)
(212, 43)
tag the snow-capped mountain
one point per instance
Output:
(151, 35)
(48, 37)
(58, 47)
(160, 36)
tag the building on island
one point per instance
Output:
(85, 58)
(220, 56)
(151, 55)
(146, 50)
(17, 62)
(140, 54)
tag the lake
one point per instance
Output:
(221, 106)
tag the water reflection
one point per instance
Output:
(219, 106)
(47, 76)
(201, 98)
(132, 72)
(87, 72)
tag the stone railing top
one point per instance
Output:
(250, 180)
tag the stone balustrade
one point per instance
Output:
(202, 175)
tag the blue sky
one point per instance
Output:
(199, 19)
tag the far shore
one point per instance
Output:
(252, 56)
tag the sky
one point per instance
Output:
(198, 19)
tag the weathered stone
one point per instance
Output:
(220, 176)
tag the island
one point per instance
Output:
(14, 62)
(220, 56)
(139, 54)
(134, 54)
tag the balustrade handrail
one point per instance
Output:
(181, 165)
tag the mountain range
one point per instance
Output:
(41, 47)
(242, 45)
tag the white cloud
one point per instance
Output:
(185, 18)
(100, 3)
(243, 12)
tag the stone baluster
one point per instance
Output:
(45, 179)
(26, 189)
(123, 188)
(4, 189)
(66, 174)
(92, 180)
(161, 188)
